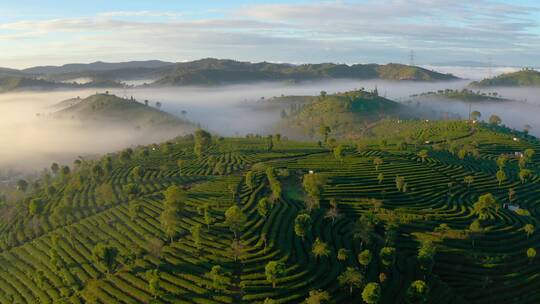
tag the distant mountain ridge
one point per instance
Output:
(22, 83)
(95, 66)
(209, 71)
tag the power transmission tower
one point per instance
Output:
(490, 66)
(411, 58)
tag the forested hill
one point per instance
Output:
(215, 71)
(523, 78)
(345, 114)
(112, 109)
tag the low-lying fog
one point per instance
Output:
(28, 141)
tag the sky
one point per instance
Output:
(56, 32)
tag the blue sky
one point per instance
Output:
(59, 31)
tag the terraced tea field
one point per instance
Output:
(387, 200)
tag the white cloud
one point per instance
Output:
(168, 14)
(326, 31)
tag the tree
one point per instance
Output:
(423, 154)
(495, 120)
(529, 229)
(469, 179)
(237, 249)
(501, 176)
(218, 277)
(170, 220)
(417, 292)
(371, 293)
(380, 177)
(501, 161)
(22, 185)
(320, 249)
(302, 225)
(105, 255)
(475, 115)
(377, 161)
(175, 198)
(137, 172)
(339, 151)
(153, 278)
(332, 213)
(426, 255)
(263, 207)
(196, 235)
(342, 254)
(274, 270)
(134, 209)
(35, 206)
(364, 258)
(207, 217)
(55, 168)
(233, 188)
(202, 141)
(531, 254)
(400, 183)
(475, 230)
(524, 174)
(528, 153)
(351, 278)
(324, 131)
(250, 180)
(387, 255)
(313, 185)
(235, 219)
(317, 297)
(363, 229)
(484, 205)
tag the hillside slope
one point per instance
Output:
(115, 110)
(523, 78)
(111, 230)
(347, 114)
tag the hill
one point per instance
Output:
(105, 108)
(347, 114)
(523, 78)
(5, 72)
(237, 220)
(462, 95)
(8, 84)
(215, 71)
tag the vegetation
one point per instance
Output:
(417, 216)
(523, 78)
(463, 95)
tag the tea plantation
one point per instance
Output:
(439, 212)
